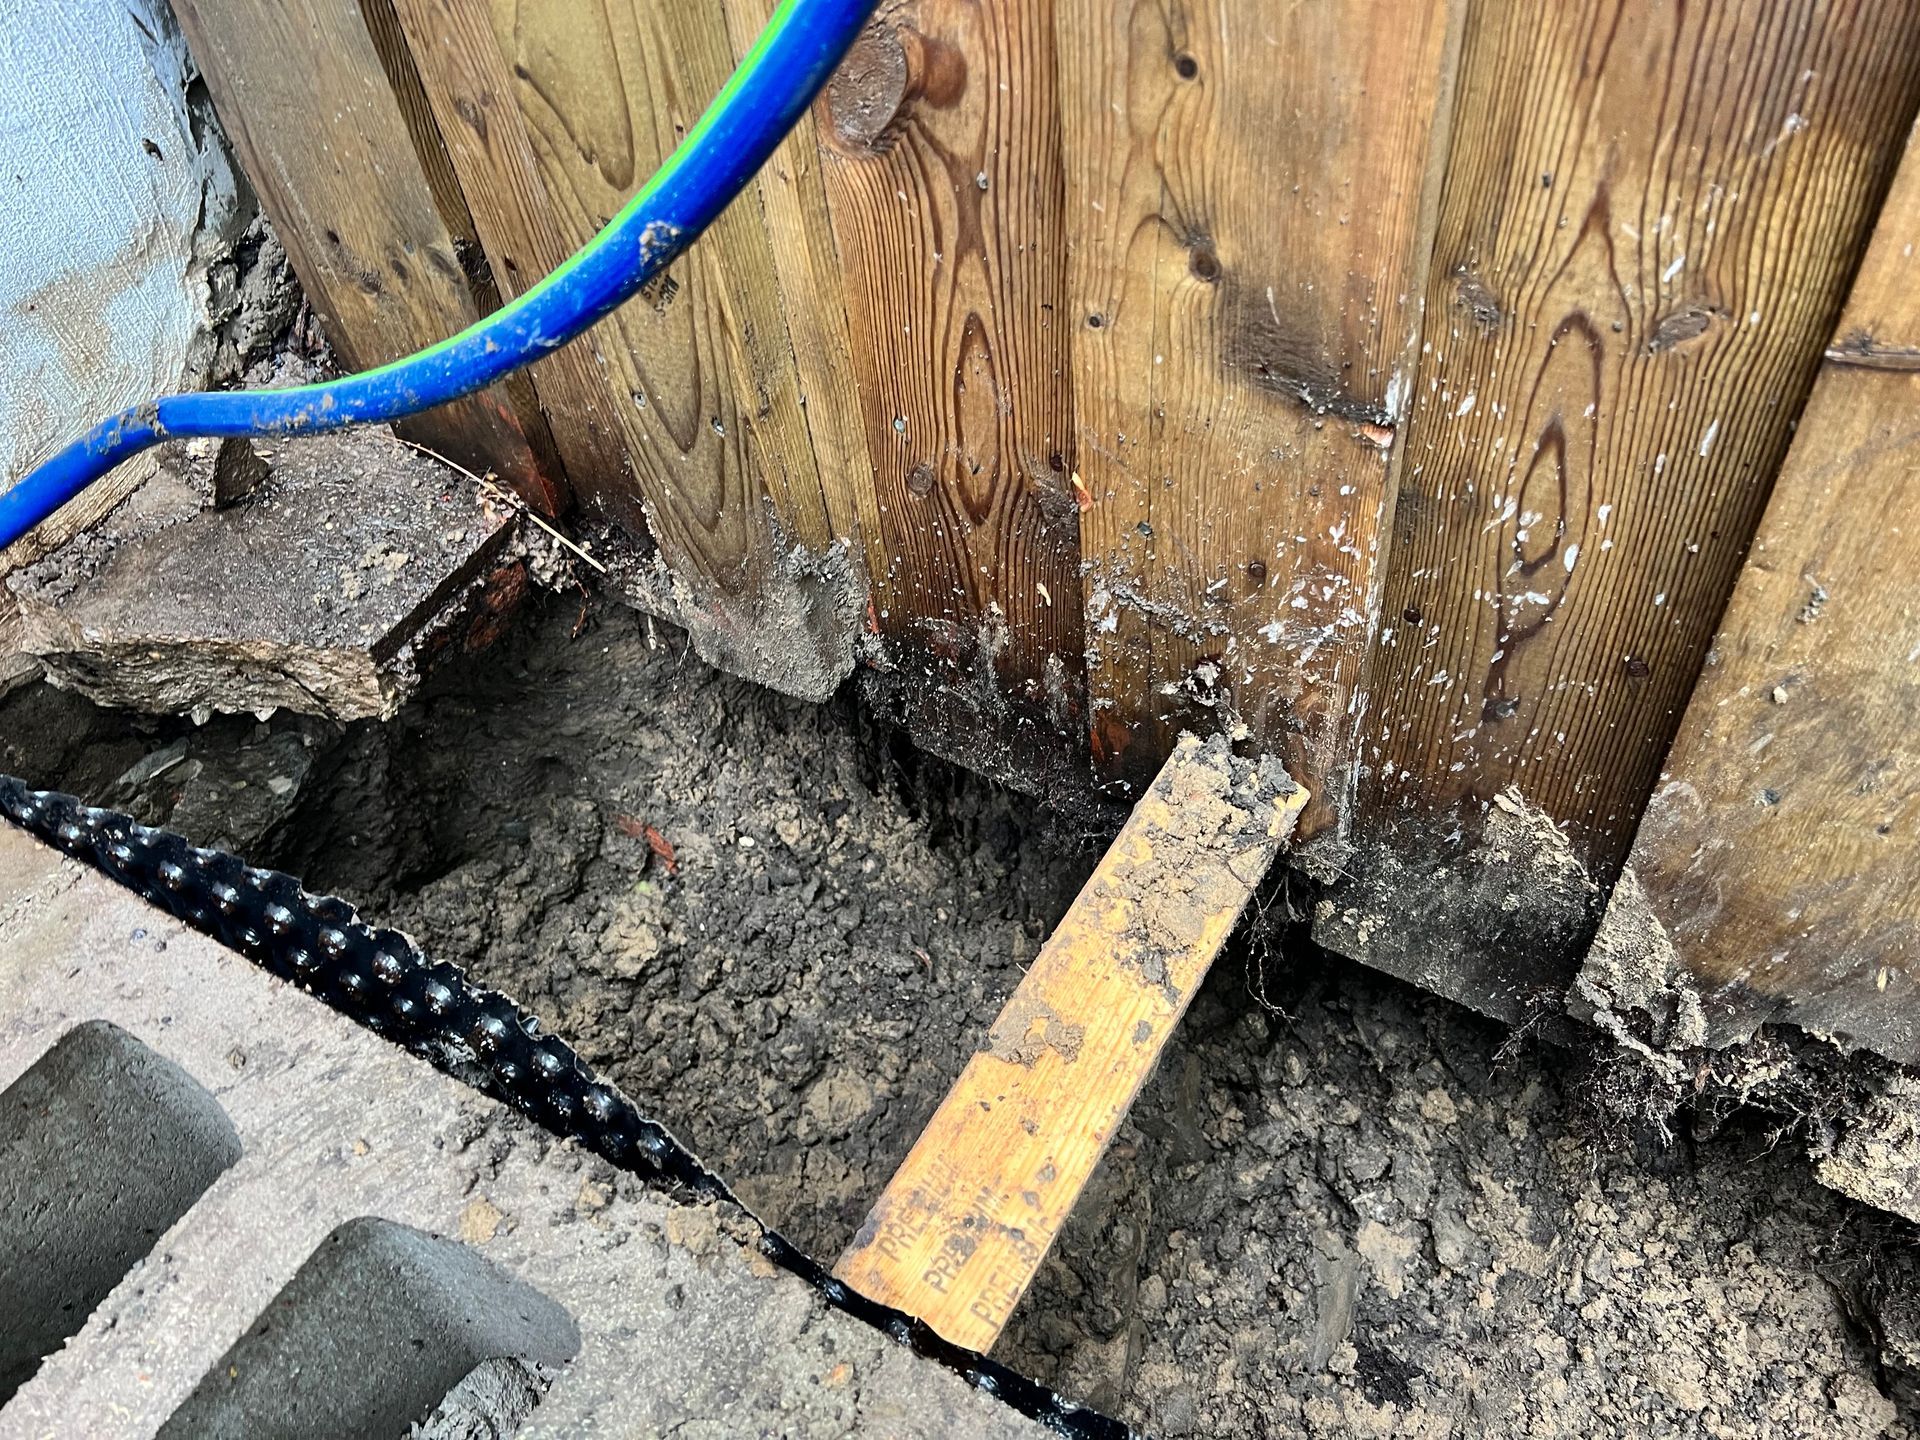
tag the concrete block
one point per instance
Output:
(311, 593)
(321, 1360)
(103, 1144)
(682, 1326)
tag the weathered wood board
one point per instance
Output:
(1244, 230)
(944, 190)
(304, 98)
(964, 1224)
(1393, 388)
(468, 89)
(1650, 217)
(681, 415)
(1775, 872)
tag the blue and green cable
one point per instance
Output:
(743, 126)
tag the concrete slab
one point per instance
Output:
(682, 1326)
(306, 594)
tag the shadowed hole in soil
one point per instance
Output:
(1339, 1213)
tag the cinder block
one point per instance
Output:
(681, 1326)
(379, 1325)
(103, 1144)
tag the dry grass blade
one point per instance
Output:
(492, 489)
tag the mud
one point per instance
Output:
(1632, 973)
(1505, 906)
(1340, 1207)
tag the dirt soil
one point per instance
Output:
(1341, 1207)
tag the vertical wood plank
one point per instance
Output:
(1244, 205)
(403, 78)
(1649, 219)
(791, 190)
(555, 114)
(469, 89)
(301, 92)
(1776, 858)
(944, 187)
(429, 146)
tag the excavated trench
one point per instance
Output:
(1341, 1207)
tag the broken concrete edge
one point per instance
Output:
(495, 1398)
(1511, 924)
(681, 1322)
(171, 608)
(17, 667)
(150, 498)
(200, 677)
(482, 1038)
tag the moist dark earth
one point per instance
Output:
(1341, 1207)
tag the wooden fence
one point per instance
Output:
(1399, 386)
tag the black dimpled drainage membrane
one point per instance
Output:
(381, 979)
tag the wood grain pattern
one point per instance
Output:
(302, 95)
(713, 423)
(964, 1224)
(430, 148)
(791, 190)
(1650, 215)
(1244, 203)
(555, 114)
(944, 186)
(403, 78)
(1778, 852)
(469, 88)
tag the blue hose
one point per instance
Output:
(789, 64)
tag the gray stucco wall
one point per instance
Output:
(114, 198)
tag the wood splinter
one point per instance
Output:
(962, 1228)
